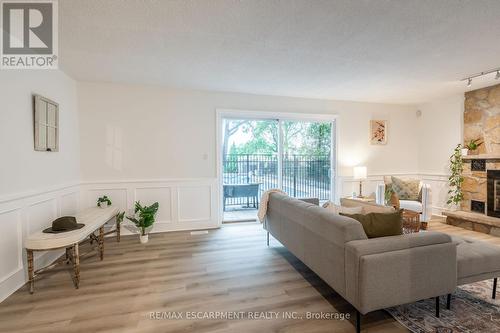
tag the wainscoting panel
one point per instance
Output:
(194, 203)
(10, 243)
(69, 204)
(439, 187)
(185, 204)
(162, 195)
(40, 214)
(23, 214)
(118, 196)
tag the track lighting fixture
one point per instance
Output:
(469, 78)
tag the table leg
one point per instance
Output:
(101, 242)
(30, 270)
(67, 255)
(118, 227)
(76, 265)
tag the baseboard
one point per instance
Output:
(18, 279)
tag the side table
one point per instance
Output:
(411, 221)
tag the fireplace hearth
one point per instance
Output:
(493, 191)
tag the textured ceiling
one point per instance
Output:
(396, 51)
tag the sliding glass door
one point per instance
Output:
(306, 156)
(262, 154)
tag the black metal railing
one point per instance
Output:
(302, 175)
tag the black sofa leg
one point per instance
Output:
(448, 301)
(268, 238)
(358, 322)
(437, 307)
(494, 292)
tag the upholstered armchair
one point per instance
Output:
(424, 207)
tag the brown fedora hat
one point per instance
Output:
(63, 224)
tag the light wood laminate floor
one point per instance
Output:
(228, 269)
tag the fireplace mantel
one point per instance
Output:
(482, 157)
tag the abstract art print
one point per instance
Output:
(378, 132)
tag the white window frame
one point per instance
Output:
(222, 114)
(41, 105)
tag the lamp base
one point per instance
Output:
(360, 190)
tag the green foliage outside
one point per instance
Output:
(299, 138)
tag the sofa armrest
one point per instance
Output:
(426, 203)
(388, 271)
(380, 194)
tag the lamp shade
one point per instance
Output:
(360, 172)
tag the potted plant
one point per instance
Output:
(103, 202)
(144, 217)
(456, 179)
(472, 146)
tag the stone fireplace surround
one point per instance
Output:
(475, 190)
(481, 121)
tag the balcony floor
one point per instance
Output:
(239, 214)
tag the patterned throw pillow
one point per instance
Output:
(406, 189)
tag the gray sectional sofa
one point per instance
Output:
(374, 273)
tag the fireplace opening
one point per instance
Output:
(493, 188)
(477, 206)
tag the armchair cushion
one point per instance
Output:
(415, 206)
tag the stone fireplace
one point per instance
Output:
(480, 207)
(476, 186)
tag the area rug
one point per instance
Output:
(472, 310)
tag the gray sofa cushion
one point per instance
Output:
(476, 260)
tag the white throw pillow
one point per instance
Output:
(340, 209)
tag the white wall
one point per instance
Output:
(441, 129)
(23, 169)
(35, 187)
(159, 133)
(133, 133)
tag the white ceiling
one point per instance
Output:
(396, 51)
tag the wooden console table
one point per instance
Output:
(94, 220)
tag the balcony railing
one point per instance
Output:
(303, 175)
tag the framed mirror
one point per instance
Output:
(46, 124)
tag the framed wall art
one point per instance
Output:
(378, 132)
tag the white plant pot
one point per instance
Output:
(465, 151)
(144, 238)
(104, 205)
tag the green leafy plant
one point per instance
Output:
(388, 194)
(456, 179)
(473, 144)
(144, 216)
(119, 217)
(102, 200)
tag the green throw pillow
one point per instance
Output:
(406, 189)
(380, 224)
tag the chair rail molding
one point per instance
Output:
(22, 214)
(185, 203)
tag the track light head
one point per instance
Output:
(469, 83)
